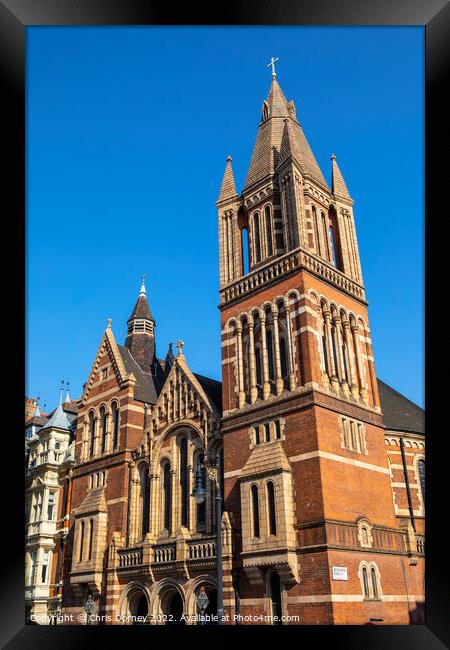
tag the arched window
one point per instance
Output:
(277, 429)
(184, 482)
(167, 492)
(258, 366)
(201, 507)
(325, 234)
(103, 427)
(257, 237)
(333, 246)
(81, 540)
(316, 230)
(283, 358)
(270, 352)
(421, 468)
(275, 597)
(365, 582)
(255, 511)
(91, 433)
(144, 481)
(91, 537)
(244, 251)
(271, 508)
(268, 231)
(374, 582)
(115, 424)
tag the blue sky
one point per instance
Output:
(128, 130)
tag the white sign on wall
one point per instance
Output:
(339, 572)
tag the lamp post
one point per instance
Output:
(202, 602)
(89, 607)
(199, 493)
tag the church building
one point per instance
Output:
(321, 465)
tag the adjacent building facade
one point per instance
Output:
(321, 464)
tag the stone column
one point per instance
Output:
(330, 355)
(279, 382)
(359, 363)
(108, 442)
(264, 360)
(97, 441)
(348, 340)
(154, 509)
(240, 373)
(252, 363)
(340, 356)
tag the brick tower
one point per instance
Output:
(307, 482)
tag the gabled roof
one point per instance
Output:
(266, 152)
(399, 413)
(212, 388)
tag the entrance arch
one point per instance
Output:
(172, 606)
(133, 606)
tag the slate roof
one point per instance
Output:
(399, 413)
(147, 386)
(212, 388)
(266, 152)
(58, 420)
(141, 309)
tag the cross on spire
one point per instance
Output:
(273, 60)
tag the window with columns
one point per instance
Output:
(341, 353)
(264, 346)
(369, 576)
(266, 432)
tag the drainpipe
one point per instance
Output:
(408, 489)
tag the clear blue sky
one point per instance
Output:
(128, 130)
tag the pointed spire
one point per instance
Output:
(228, 187)
(286, 142)
(61, 390)
(37, 413)
(267, 150)
(140, 339)
(58, 420)
(338, 185)
(141, 308)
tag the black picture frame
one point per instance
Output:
(15, 17)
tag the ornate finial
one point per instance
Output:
(109, 321)
(67, 391)
(61, 390)
(333, 156)
(229, 158)
(272, 63)
(180, 345)
(170, 347)
(143, 292)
